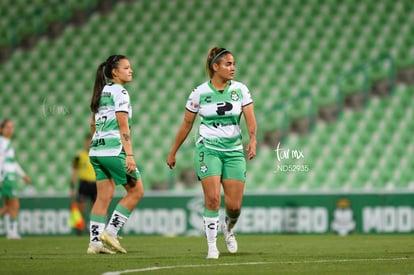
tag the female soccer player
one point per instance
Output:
(111, 154)
(219, 159)
(9, 170)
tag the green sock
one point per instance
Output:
(211, 213)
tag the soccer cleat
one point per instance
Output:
(213, 252)
(230, 239)
(112, 241)
(93, 249)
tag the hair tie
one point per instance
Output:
(217, 56)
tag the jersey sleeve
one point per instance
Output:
(19, 170)
(193, 102)
(121, 101)
(247, 97)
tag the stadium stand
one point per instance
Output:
(291, 54)
(365, 150)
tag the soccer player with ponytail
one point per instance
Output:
(111, 154)
(220, 159)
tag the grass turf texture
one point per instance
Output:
(264, 254)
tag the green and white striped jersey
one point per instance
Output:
(9, 167)
(106, 140)
(220, 113)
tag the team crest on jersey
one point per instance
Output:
(234, 96)
(203, 167)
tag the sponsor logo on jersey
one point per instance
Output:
(223, 107)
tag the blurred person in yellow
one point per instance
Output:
(83, 175)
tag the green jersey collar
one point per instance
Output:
(216, 91)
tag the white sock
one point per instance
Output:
(11, 226)
(95, 229)
(14, 228)
(115, 223)
(211, 229)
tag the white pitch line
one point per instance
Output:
(252, 263)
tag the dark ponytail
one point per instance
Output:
(103, 73)
(100, 82)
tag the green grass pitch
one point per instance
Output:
(258, 254)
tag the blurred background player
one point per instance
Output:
(83, 175)
(220, 159)
(10, 170)
(111, 154)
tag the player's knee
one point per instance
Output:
(105, 198)
(213, 201)
(233, 207)
(137, 192)
(233, 210)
